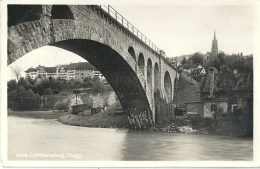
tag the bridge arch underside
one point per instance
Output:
(95, 37)
(118, 73)
(116, 70)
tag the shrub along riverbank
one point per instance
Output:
(235, 126)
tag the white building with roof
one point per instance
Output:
(75, 71)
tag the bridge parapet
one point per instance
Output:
(135, 32)
(130, 27)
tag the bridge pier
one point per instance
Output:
(140, 119)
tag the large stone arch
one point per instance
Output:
(149, 73)
(168, 87)
(94, 43)
(141, 63)
(118, 72)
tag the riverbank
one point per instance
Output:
(227, 126)
(37, 114)
(184, 124)
(188, 125)
(100, 120)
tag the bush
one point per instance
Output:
(12, 85)
(61, 105)
(99, 87)
(48, 91)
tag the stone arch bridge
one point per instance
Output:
(136, 69)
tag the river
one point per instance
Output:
(47, 139)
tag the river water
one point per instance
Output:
(47, 139)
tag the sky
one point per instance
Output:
(182, 30)
(177, 30)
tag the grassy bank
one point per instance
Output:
(37, 114)
(100, 120)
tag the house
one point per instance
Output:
(198, 71)
(207, 107)
(32, 73)
(226, 99)
(51, 72)
(79, 71)
(234, 71)
(98, 74)
(41, 72)
(76, 71)
(234, 99)
(62, 73)
(203, 71)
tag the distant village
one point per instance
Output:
(221, 84)
(197, 65)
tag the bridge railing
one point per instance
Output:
(125, 23)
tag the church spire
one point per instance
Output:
(214, 48)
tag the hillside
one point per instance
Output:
(188, 90)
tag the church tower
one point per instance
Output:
(214, 48)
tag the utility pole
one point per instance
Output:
(176, 90)
(76, 99)
(76, 91)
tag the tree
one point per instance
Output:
(96, 79)
(99, 87)
(22, 92)
(88, 81)
(48, 91)
(22, 82)
(41, 85)
(30, 93)
(184, 61)
(197, 58)
(17, 72)
(222, 58)
(12, 85)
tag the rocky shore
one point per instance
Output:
(187, 125)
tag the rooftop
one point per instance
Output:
(80, 65)
(47, 69)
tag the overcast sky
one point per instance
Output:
(182, 30)
(177, 30)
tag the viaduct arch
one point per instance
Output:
(134, 69)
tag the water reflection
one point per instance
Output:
(177, 147)
(34, 136)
